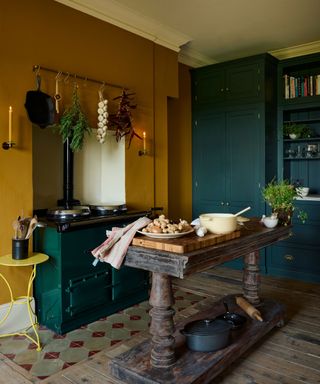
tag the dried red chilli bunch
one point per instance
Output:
(121, 121)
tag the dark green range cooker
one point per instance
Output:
(69, 290)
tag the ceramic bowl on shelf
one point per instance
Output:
(303, 191)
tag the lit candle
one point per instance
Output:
(144, 142)
(10, 123)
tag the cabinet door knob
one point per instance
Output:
(227, 89)
(289, 257)
(227, 203)
(221, 90)
(222, 203)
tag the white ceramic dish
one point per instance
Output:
(165, 235)
(270, 222)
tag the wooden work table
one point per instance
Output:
(165, 358)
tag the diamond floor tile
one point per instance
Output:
(44, 368)
(61, 351)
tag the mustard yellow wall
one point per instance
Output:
(50, 34)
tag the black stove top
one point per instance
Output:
(69, 222)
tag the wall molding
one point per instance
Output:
(125, 18)
(193, 58)
(297, 50)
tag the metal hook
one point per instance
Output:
(101, 89)
(66, 79)
(36, 69)
(75, 83)
(59, 76)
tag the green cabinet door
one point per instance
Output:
(208, 86)
(228, 153)
(243, 82)
(227, 165)
(209, 163)
(245, 151)
(294, 261)
(232, 83)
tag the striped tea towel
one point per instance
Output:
(114, 249)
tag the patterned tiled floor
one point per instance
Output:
(62, 351)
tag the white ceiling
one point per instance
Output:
(208, 31)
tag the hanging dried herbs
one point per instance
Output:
(74, 124)
(121, 121)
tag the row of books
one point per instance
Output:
(300, 86)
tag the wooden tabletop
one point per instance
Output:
(253, 236)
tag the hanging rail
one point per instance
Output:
(37, 68)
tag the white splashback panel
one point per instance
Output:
(99, 171)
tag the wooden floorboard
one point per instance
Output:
(11, 373)
(288, 355)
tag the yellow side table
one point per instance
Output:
(33, 260)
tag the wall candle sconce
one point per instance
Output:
(143, 151)
(9, 144)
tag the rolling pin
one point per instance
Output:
(249, 309)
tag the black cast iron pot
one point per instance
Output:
(207, 335)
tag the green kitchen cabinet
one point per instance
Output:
(70, 291)
(299, 103)
(234, 137)
(298, 257)
(227, 172)
(235, 82)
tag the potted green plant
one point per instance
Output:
(280, 196)
(297, 130)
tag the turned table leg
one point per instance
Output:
(251, 277)
(162, 326)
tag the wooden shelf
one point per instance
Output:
(134, 365)
(301, 121)
(303, 140)
(302, 158)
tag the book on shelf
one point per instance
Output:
(317, 82)
(301, 86)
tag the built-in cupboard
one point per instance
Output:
(234, 135)
(240, 109)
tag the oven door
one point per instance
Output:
(87, 292)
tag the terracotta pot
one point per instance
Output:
(284, 216)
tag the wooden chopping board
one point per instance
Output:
(183, 244)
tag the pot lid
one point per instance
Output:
(63, 213)
(206, 327)
(108, 207)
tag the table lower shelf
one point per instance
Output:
(134, 365)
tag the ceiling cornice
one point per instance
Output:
(128, 19)
(193, 58)
(298, 50)
(125, 18)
